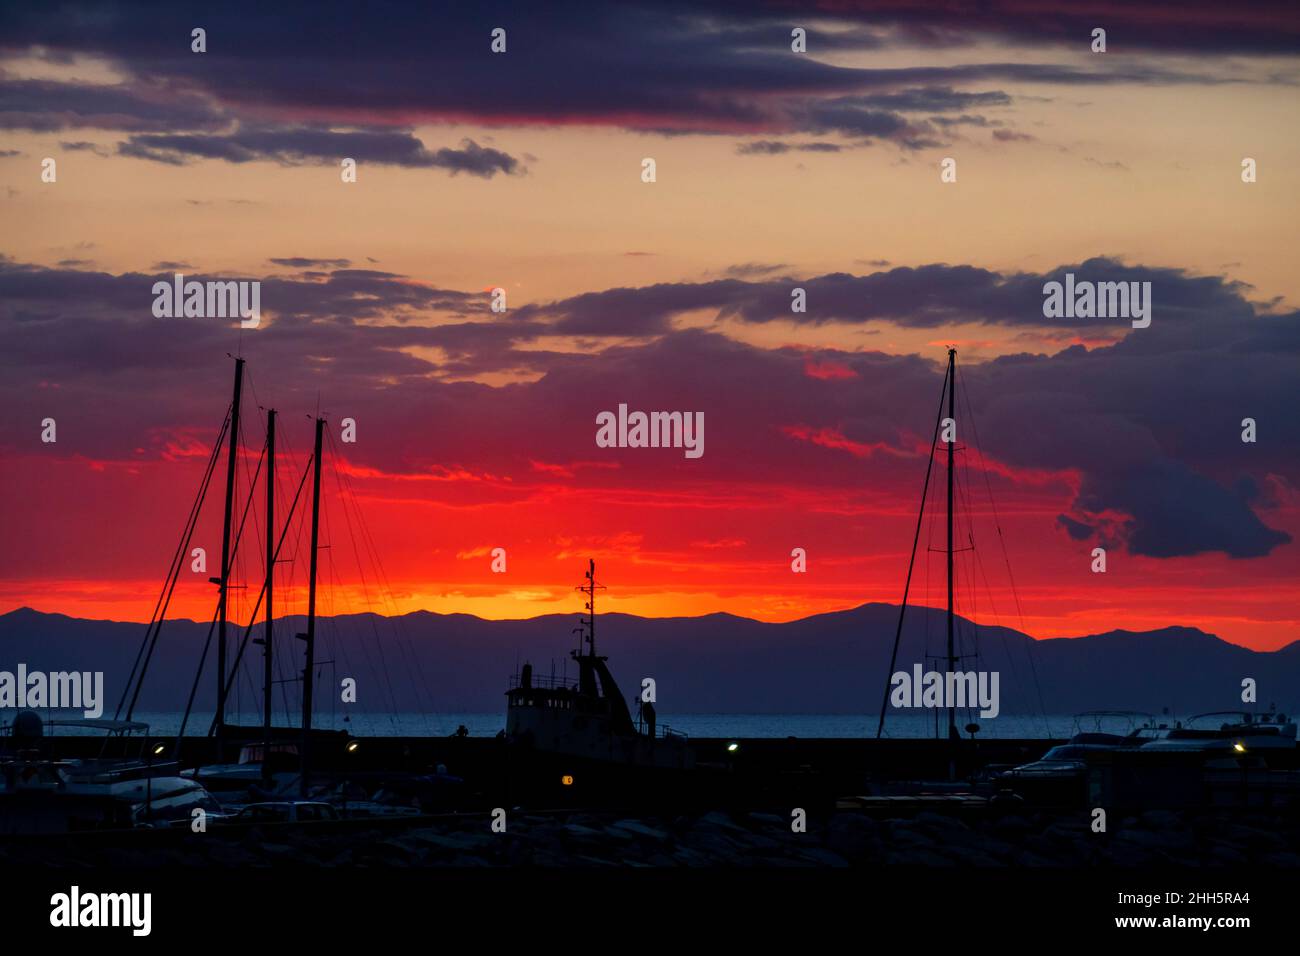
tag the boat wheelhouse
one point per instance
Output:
(589, 719)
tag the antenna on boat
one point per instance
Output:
(588, 624)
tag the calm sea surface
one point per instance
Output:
(695, 725)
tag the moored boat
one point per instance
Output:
(582, 729)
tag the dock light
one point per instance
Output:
(567, 780)
(353, 746)
(158, 749)
(1239, 747)
(733, 747)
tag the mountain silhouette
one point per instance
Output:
(833, 663)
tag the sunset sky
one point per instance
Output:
(774, 170)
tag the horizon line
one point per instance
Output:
(678, 617)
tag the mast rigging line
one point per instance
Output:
(365, 592)
(1006, 558)
(173, 576)
(194, 687)
(234, 551)
(252, 620)
(234, 673)
(238, 565)
(282, 677)
(916, 537)
(405, 646)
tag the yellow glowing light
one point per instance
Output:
(1239, 747)
(733, 747)
(352, 746)
(567, 780)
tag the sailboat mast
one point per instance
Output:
(591, 604)
(952, 660)
(268, 673)
(225, 550)
(311, 606)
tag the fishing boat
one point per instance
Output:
(579, 733)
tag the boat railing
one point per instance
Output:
(123, 735)
(1097, 721)
(544, 683)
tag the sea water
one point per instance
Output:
(694, 725)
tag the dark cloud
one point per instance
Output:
(44, 106)
(747, 269)
(1200, 26)
(298, 262)
(1150, 424)
(85, 147)
(1147, 428)
(855, 117)
(1077, 530)
(964, 120)
(670, 68)
(770, 147)
(927, 296)
(32, 294)
(1053, 74)
(933, 99)
(642, 311)
(1177, 511)
(302, 145)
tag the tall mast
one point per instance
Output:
(591, 605)
(225, 550)
(268, 674)
(952, 660)
(311, 607)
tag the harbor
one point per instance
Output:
(574, 742)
